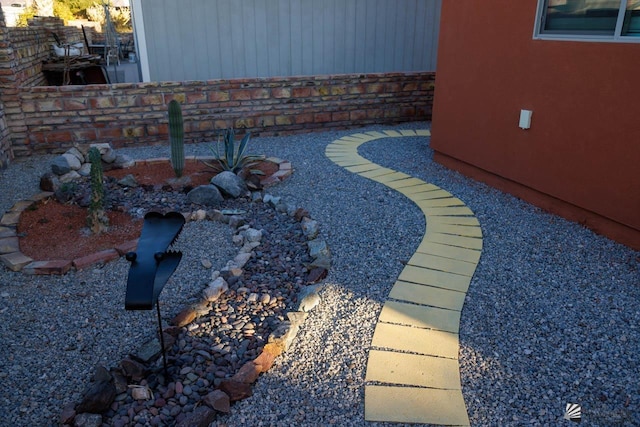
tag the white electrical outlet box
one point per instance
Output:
(525, 119)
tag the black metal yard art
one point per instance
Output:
(152, 264)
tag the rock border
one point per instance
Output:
(107, 386)
(15, 260)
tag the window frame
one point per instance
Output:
(617, 37)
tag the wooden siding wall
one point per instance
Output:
(211, 39)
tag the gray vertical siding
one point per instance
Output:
(210, 39)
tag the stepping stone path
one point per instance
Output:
(413, 374)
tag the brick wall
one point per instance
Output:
(7, 85)
(51, 119)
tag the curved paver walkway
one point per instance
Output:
(413, 374)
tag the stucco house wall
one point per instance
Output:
(581, 156)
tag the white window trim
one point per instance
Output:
(616, 38)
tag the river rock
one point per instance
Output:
(207, 195)
(230, 184)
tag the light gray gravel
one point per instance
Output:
(552, 314)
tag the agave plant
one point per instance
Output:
(232, 159)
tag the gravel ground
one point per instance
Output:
(552, 314)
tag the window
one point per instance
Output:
(601, 20)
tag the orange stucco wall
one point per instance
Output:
(581, 156)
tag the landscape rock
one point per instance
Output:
(202, 416)
(236, 390)
(72, 161)
(207, 195)
(133, 369)
(49, 182)
(216, 288)
(88, 420)
(123, 161)
(76, 153)
(318, 247)
(69, 176)
(60, 165)
(185, 317)
(99, 394)
(229, 184)
(310, 228)
(68, 414)
(85, 169)
(128, 181)
(218, 400)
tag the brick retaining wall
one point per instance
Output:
(52, 119)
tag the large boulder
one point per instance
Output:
(207, 195)
(60, 165)
(230, 184)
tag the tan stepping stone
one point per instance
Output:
(416, 340)
(395, 176)
(415, 405)
(436, 194)
(15, 261)
(420, 316)
(449, 239)
(423, 313)
(450, 211)
(455, 220)
(363, 168)
(9, 245)
(436, 262)
(417, 189)
(376, 173)
(439, 279)
(376, 135)
(10, 218)
(439, 203)
(409, 182)
(393, 133)
(458, 230)
(21, 205)
(448, 251)
(427, 295)
(392, 367)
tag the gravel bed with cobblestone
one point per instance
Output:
(552, 315)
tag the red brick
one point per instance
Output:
(267, 121)
(281, 92)
(241, 95)
(151, 100)
(95, 258)
(125, 247)
(218, 96)
(74, 105)
(283, 120)
(304, 118)
(154, 130)
(196, 98)
(340, 116)
(301, 92)
(84, 135)
(260, 94)
(375, 88)
(407, 111)
(59, 136)
(357, 115)
(357, 89)
(110, 133)
(375, 114)
(47, 267)
(322, 117)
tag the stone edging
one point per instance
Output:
(15, 260)
(237, 387)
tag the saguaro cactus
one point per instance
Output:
(176, 137)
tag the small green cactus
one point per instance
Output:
(176, 137)
(97, 220)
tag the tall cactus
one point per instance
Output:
(176, 137)
(97, 220)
